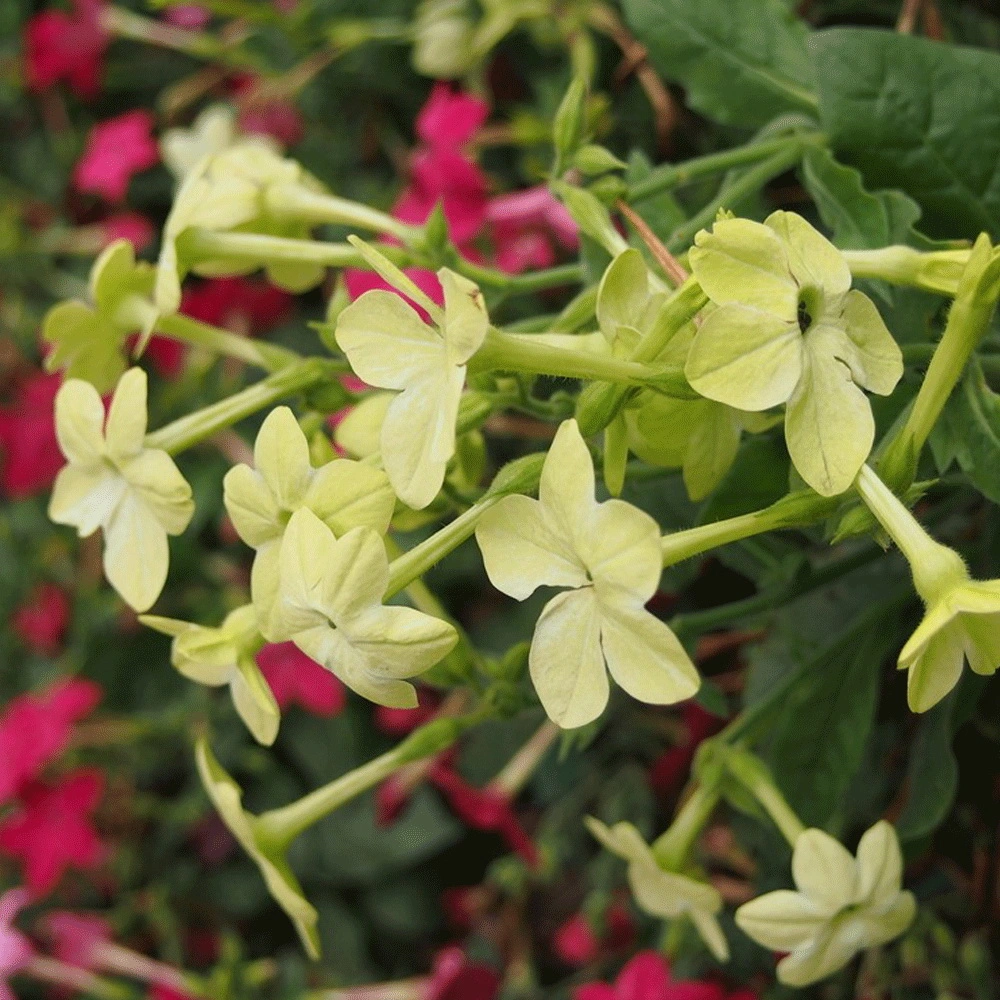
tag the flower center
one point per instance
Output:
(805, 320)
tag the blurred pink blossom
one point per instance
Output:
(70, 47)
(29, 453)
(41, 621)
(116, 150)
(296, 679)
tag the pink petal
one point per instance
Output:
(450, 118)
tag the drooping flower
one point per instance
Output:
(389, 346)
(213, 131)
(225, 656)
(296, 679)
(843, 904)
(662, 893)
(51, 830)
(36, 727)
(88, 340)
(117, 149)
(16, 951)
(135, 494)
(269, 856)
(962, 618)
(41, 621)
(229, 192)
(608, 555)
(29, 451)
(344, 494)
(787, 328)
(331, 608)
(70, 47)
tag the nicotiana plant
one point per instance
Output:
(672, 355)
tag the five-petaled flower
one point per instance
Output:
(391, 347)
(662, 893)
(787, 328)
(114, 482)
(843, 904)
(225, 656)
(608, 554)
(331, 608)
(343, 494)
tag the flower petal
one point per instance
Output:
(387, 343)
(136, 554)
(782, 920)
(645, 658)
(85, 497)
(251, 505)
(355, 571)
(345, 494)
(748, 359)
(744, 263)
(126, 425)
(832, 948)
(566, 488)
(876, 361)
(880, 865)
(824, 871)
(281, 455)
(711, 933)
(829, 427)
(522, 552)
(621, 550)
(812, 259)
(622, 294)
(306, 563)
(254, 701)
(566, 662)
(466, 321)
(936, 668)
(418, 435)
(400, 642)
(154, 477)
(79, 415)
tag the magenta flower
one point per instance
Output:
(449, 117)
(131, 226)
(577, 943)
(77, 938)
(243, 305)
(295, 679)
(41, 621)
(15, 949)
(454, 977)
(647, 977)
(527, 228)
(51, 829)
(29, 453)
(70, 47)
(117, 149)
(35, 729)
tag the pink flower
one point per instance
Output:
(279, 119)
(35, 729)
(131, 226)
(483, 809)
(647, 977)
(576, 942)
(76, 937)
(70, 47)
(527, 226)
(402, 721)
(31, 455)
(438, 174)
(243, 305)
(117, 149)
(161, 992)
(51, 829)
(41, 621)
(454, 977)
(15, 949)
(450, 118)
(296, 679)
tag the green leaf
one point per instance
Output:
(742, 63)
(860, 219)
(972, 416)
(825, 725)
(919, 115)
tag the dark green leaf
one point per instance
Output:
(918, 115)
(742, 63)
(971, 428)
(859, 219)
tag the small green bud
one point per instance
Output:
(437, 735)
(567, 128)
(520, 476)
(597, 406)
(593, 160)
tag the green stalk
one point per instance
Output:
(673, 175)
(531, 281)
(255, 248)
(298, 202)
(189, 430)
(672, 847)
(258, 353)
(732, 194)
(754, 777)
(523, 353)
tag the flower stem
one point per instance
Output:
(298, 202)
(205, 244)
(673, 175)
(755, 777)
(938, 271)
(258, 353)
(671, 848)
(794, 510)
(69, 977)
(523, 353)
(189, 430)
(531, 281)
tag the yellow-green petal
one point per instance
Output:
(136, 555)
